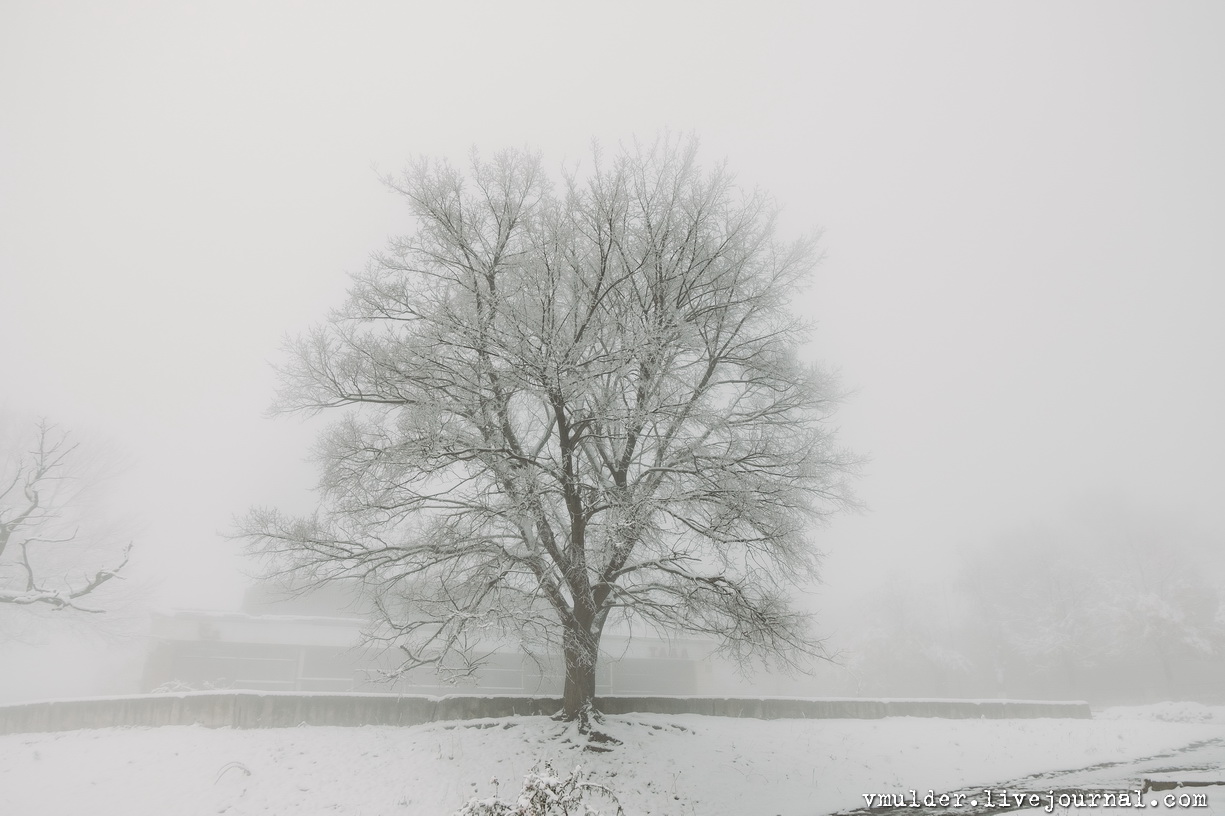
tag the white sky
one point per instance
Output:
(1023, 207)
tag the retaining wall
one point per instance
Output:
(252, 709)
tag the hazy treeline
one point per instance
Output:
(1100, 605)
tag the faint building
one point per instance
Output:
(313, 642)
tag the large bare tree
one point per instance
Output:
(570, 403)
(45, 560)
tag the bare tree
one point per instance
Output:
(38, 539)
(574, 406)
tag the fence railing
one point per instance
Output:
(253, 709)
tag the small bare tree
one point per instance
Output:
(574, 406)
(39, 542)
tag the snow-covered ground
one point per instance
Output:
(667, 765)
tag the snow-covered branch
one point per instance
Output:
(34, 536)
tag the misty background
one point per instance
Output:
(1023, 285)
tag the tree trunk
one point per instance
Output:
(581, 649)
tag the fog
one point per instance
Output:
(1023, 282)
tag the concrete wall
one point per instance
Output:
(231, 709)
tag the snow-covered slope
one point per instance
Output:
(673, 765)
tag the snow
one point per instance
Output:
(667, 764)
(1186, 712)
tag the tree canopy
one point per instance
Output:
(567, 402)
